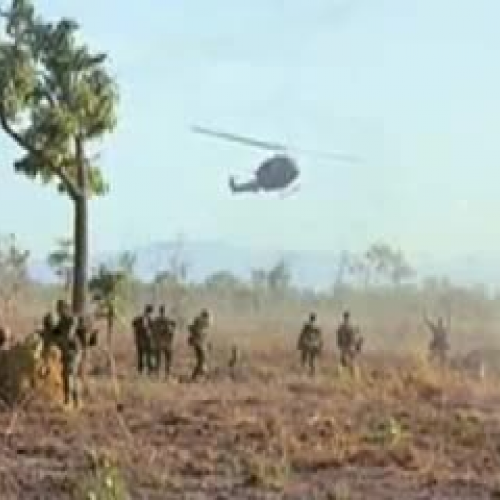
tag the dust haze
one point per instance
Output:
(152, 371)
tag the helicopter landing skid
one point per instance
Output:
(289, 192)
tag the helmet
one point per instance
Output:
(48, 321)
(205, 315)
(62, 306)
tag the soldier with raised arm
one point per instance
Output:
(439, 344)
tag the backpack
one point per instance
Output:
(137, 323)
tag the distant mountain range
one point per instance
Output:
(309, 269)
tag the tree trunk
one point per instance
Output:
(68, 279)
(80, 268)
(110, 324)
(110, 328)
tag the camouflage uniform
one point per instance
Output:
(5, 337)
(163, 335)
(235, 357)
(439, 345)
(88, 337)
(143, 340)
(198, 341)
(110, 321)
(66, 338)
(349, 343)
(47, 333)
(310, 343)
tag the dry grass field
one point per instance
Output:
(375, 80)
(400, 430)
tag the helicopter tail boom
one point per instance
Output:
(244, 187)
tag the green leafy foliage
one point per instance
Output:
(388, 262)
(61, 260)
(107, 286)
(127, 262)
(277, 278)
(56, 100)
(109, 289)
(54, 92)
(104, 481)
(380, 263)
(223, 281)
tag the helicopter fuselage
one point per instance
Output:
(274, 174)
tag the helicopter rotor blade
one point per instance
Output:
(241, 139)
(328, 155)
(274, 146)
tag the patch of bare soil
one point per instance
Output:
(400, 430)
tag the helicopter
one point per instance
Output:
(277, 172)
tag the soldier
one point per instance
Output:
(69, 343)
(47, 333)
(163, 330)
(349, 343)
(142, 326)
(235, 358)
(439, 345)
(310, 343)
(198, 332)
(110, 321)
(5, 337)
(87, 336)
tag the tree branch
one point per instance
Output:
(43, 91)
(70, 186)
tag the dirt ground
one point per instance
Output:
(401, 430)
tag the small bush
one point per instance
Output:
(104, 481)
(263, 472)
(23, 368)
(339, 492)
(385, 432)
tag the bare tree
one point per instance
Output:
(108, 287)
(13, 273)
(380, 263)
(61, 261)
(173, 283)
(279, 277)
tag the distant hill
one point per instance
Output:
(310, 269)
(205, 258)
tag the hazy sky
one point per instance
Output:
(411, 86)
